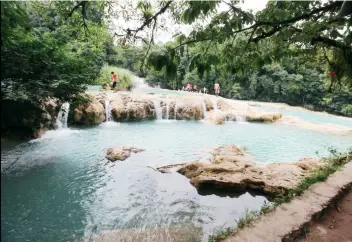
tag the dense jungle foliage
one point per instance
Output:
(293, 52)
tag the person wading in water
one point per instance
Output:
(217, 89)
(114, 79)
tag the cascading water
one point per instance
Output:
(175, 111)
(61, 120)
(107, 111)
(215, 105)
(158, 111)
(204, 109)
(240, 118)
(167, 110)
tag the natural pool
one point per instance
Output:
(313, 117)
(61, 188)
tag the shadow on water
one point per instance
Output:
(220, 191)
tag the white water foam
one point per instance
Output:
(108, 116)
(158, 111)
(61, 120)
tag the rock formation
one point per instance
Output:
(90, 113)
(121, 153)
(232, 168)
(129, 106)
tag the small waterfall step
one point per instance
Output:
(167, 110)
(61, 120)
(108, 116)
(241, 118)
(204, 107)
(158, 110)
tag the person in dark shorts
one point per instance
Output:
(114, 79)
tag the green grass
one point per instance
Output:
(124, 77)
(333, 163)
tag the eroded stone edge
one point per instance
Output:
(263, 229)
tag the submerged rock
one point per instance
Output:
(182, 233)
(121, 153)
(234, 169)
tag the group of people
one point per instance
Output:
(191, 88)
(188, 88)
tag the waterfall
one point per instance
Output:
(240, 118)
(215, 105)
(158, 110)
(61, 120)
(167, 110)
(204, 109)
(107, 111)
(175, 110)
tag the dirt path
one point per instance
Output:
(336, 226)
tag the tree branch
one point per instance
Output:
(332, 6)
(74, 9)
(150, 43)
(149, 20)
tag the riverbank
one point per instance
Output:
(290, 221)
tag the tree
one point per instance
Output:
(43, 56)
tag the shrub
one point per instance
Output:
(124, 77)
(347, 110)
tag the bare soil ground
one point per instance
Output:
(336, 226)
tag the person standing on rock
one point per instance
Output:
(114, 79)
(217, 89)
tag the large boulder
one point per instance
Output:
(233, 168)
(121, 153)
(90, 113)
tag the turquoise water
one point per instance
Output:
(310, 116)
(159, 91)
(61, 188)
(93, 88)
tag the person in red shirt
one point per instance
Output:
(114, 79)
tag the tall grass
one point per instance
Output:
(124, 77)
